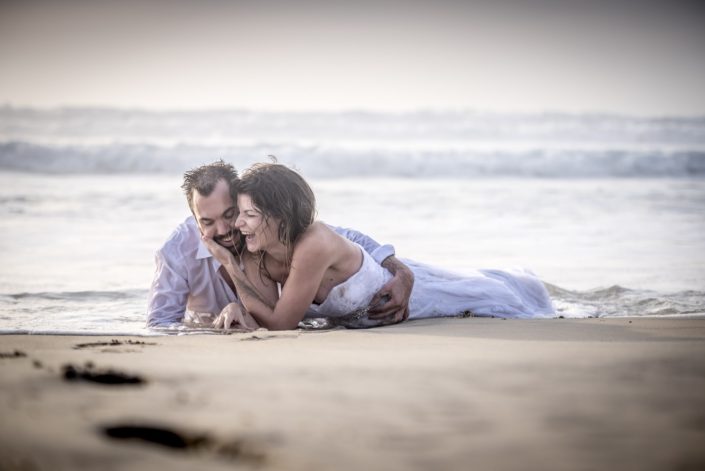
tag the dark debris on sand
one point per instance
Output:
(112, 343)
(15, 354)
(106, 376)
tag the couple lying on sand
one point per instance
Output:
(253, 256)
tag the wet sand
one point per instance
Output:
(484, 394)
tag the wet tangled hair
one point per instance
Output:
(204, 179)
(279, 192)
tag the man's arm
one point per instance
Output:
(396, 292)
(168, 294)
(392, 301)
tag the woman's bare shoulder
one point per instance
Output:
(317, 237)
(318, 231)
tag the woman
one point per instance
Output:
(325, 275)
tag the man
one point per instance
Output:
(191, 285)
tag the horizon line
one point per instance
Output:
(409, 111)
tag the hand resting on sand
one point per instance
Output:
(233, 316)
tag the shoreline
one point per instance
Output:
(563, 394)
(207, 331)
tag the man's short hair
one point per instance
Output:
(204, 178)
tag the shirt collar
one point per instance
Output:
(203, 251)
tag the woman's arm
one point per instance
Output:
(256, 293)
(313, 255)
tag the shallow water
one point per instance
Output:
(77, 250)
(608, 210)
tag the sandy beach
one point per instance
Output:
(484, 394)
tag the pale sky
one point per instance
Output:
(637, 57)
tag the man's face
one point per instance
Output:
(216, 214)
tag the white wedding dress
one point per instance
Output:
(515, 293)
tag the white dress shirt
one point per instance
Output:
(187, 283)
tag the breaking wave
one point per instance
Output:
(617, 301)
(353, 144)
(331, 162)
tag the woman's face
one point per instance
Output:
(259, 235)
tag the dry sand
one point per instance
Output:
(482, 394)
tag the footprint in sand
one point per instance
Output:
(237, 449)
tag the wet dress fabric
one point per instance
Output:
(514, 293)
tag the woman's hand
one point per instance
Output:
(223, 255)
(234, 316)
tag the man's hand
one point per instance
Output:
(392, 301)
(234, 316)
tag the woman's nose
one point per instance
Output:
(239, 223)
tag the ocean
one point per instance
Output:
(608, 210)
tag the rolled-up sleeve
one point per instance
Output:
(381, 253)
(169, 292)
